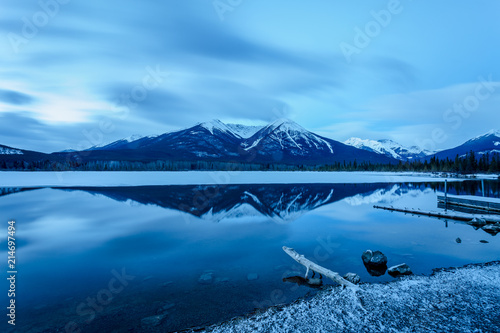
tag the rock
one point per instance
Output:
(220, 280)
(206, 278)
(296, 279)
(375, 262)
(477, 222)
(376, 270)
(162, 310)
(398, 270)
(301, 281)
(315, 282)
(484, 241)
(152, 321)
(492, 229)
(378, 259)
(164, 284)
(374, 258)
(352, 277)
(252, 276)
(367, 256)
(458, 240)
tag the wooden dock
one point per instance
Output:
(451, 215)
(490, 205)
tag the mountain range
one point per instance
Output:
(390, 148)
(487, 143)
(280, 142)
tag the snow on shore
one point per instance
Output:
(119, 178)
(457, 300)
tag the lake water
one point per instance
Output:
(102, 259)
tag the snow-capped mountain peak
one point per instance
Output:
(282, 141)
(135, 137)
(285, 134)
(492, 132)
(389, 148)
(359, 143)
(286, 125)
(216, 124)
(375, 146)
(487, 143)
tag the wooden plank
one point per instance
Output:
(471, 197)
(445, 215)
(488, 204)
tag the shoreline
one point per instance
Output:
(158, 178)
(444, 277)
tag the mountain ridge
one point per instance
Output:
(487, 143)
(390, 148)
(281, 142)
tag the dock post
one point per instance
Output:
(446, 195)
(482, 185)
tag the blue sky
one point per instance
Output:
(78, 73)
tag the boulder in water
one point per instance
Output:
(152, 321)
(374, 258)
(206, 278)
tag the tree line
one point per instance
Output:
(467, 164)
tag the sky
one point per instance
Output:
(74, 74)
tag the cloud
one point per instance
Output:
(15, 97)
(23, 130)
(261, 58)
(398, 74)
(424, 113)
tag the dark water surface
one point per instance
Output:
(104, 259)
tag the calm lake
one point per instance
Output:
(102, 259)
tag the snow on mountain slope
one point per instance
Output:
(389, 148)
(242, 211)
(10, 151)
(244, 131)
(217, 125)
(120, 143)
(491, 133)
(487, 143)
(492, 138)
(282, 141)
(372, 145)
(284, 134)
(387, 196)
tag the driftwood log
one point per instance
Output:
(317, 268)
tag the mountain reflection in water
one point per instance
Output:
(282, 203)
